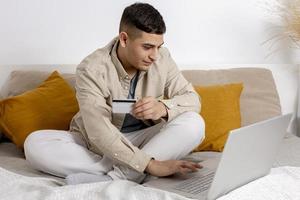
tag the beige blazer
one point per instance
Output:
(100, 78)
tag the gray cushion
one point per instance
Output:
(21, 81)
(259, 99)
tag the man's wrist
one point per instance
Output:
(164, 110)
(148, 168)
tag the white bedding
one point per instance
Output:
(282, 183)
(23, 182)
(15, 186)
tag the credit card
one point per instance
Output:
(122, 105)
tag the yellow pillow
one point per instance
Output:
(220, 109)
(50, 106)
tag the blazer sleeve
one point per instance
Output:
(179, 93)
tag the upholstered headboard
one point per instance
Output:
(285, 77)
(5, 70)
(259, 99)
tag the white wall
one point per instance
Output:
(198, 32)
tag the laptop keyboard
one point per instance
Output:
(196, 184)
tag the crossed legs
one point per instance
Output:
(61, 153)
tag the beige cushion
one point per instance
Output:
(21, 81)
(259, 99)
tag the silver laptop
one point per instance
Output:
(249, 153)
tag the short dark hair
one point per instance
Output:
(144, 17)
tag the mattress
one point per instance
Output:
(13, 159)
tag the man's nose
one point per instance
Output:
(154, 54)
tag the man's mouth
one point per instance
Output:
(147, 63)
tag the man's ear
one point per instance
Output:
(123, 37)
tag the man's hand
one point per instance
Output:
(169, 167)
(149, 108)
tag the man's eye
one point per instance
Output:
(146, 47)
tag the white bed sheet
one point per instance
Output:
(282, 183)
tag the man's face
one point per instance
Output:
(142, 51)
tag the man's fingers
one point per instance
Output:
(142, 101)
(148, 114)
(198, 165)
(147, 108)
(169, 167)
(142, 108)
(191, 165)
(187, 168)
(184, 171)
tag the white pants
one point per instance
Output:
(61, 153)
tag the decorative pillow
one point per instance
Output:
(50, 106)
(220, 109)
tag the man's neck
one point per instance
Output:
(131, 71)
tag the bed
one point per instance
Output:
(18, 180)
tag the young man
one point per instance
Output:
(163, 126)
